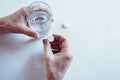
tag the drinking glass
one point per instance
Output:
(39, 18)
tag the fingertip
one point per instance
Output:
(32, 33)
(47, 46)
(44, 41)
(36, 35)
(27, 31)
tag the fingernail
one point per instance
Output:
(36, 35)
(45, 40)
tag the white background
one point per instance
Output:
(94, 35)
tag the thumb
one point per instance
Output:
(47, 49)
(30, 32)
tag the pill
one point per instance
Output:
(50, 38)
(66, 25)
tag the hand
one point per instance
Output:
(57, 58)
(17, 23)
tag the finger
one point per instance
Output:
(56, 42)
(60, 42)
(23, 12)
(52, 20)
(58, 37)
(64, 46)
(39, 8)
(25, 30)
(31, 33)
(47, 48)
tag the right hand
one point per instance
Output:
(57, 58)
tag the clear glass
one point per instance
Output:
(39, 18)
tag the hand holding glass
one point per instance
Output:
(39, 18)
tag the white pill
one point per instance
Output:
(50, 38)
(66, 25)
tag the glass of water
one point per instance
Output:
(39, 18)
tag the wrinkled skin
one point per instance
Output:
(57, 58)
(17, 23)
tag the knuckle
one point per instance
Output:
(23, 11)
(68, 57)
(48, 58)
(24, 8)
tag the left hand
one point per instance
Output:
(17, 23)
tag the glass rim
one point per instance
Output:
(39, 2)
